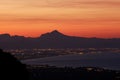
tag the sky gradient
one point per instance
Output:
(85, 18)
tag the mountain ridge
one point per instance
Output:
(56, 39)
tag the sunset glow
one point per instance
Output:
(85, 18)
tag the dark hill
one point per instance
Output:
(11, 68)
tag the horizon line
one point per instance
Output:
(11, 35)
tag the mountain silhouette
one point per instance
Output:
(56, 39)
(53, 34)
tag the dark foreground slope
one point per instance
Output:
(11, 68)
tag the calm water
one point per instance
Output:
(105, 60)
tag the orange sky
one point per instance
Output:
(86, 18)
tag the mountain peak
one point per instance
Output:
(54, 33)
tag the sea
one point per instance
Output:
(102, 60)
